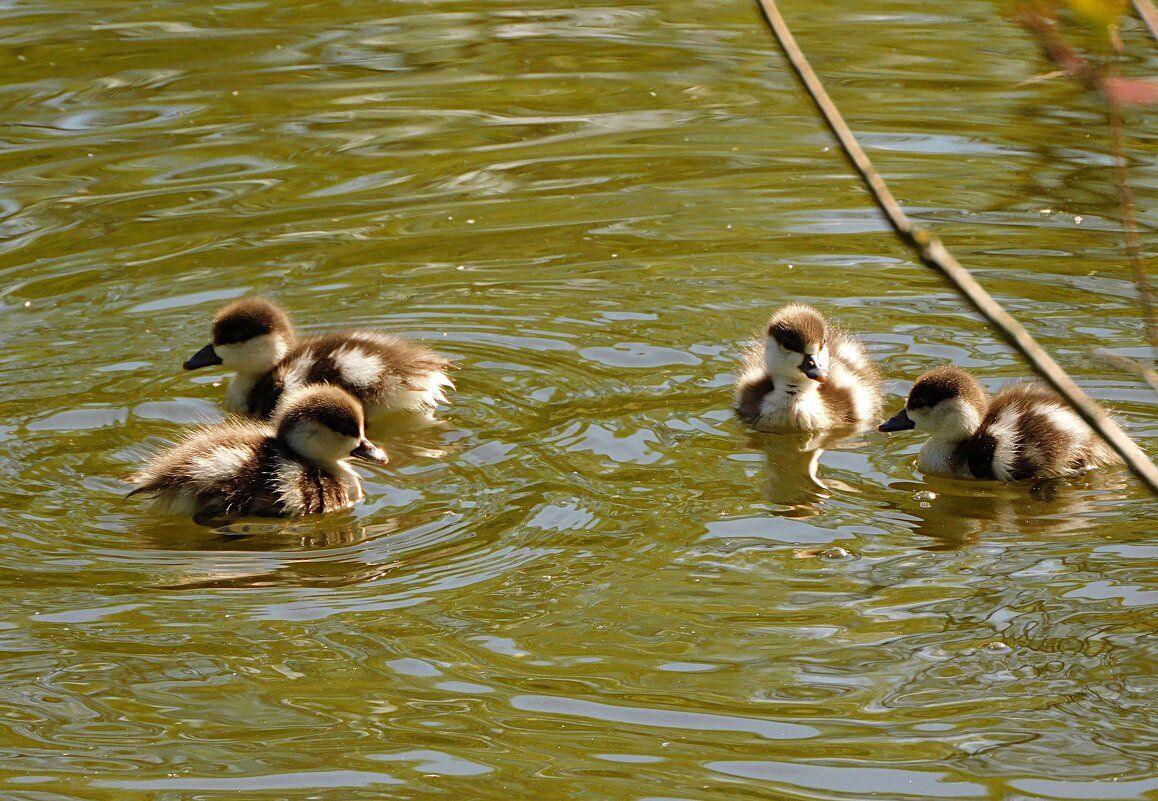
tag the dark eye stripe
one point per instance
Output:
(340, 422)
(787, 339)
(931, 393)
(233, 330)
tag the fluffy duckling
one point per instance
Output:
(1026, 431)
(255, 339)
(296, 466)
(806, 375)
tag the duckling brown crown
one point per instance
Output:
(946, 383)
(327, 404)
(248, 318)
(797, 326)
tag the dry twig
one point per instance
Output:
(934, 254)
(1148, 14)
(1116, 91)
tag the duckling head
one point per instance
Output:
(323, 424)
(250, 336)
(946, 403)
(796, 344)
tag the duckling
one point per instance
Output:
(255, 338)
(1026, 431)
(294, 466)
(806, 375)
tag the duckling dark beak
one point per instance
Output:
(370, 452)
(203, 358)
(813, 370)
(898, 422)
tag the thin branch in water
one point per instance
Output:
(937, 256)
(1115, 90)
(1130, 226)
(1130, 366)
(1048, 76)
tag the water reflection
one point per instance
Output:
(957, 512)
(318, 551)
(250, 535)
(791, 468)
(409, 436)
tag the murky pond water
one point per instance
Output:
(590, 581)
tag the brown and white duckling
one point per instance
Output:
(255, 338)
(1026, 431)
(295, 466)
(806, 375)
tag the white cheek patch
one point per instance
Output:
(319, 444)
(230, 355)
(779, 361)
(357, 367)
(257, 355)
(952, 419)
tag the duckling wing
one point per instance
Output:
(1028, 432)
(212, 470)
(854, 386)
(750, 393)
(385, 372)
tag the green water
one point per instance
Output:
(590, 582)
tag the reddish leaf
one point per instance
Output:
(1131, 91)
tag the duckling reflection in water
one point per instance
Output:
(791, 469)
(1025, 432)
(955, 513)
(806, 375)
(296, 466)
(254, 338)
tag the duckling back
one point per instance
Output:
(217, 475)
(255, 338)
(385, 372)
(213, 471)
(1029, 432)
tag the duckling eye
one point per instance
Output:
(788, 340)
(348, 428)
(920, 401)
